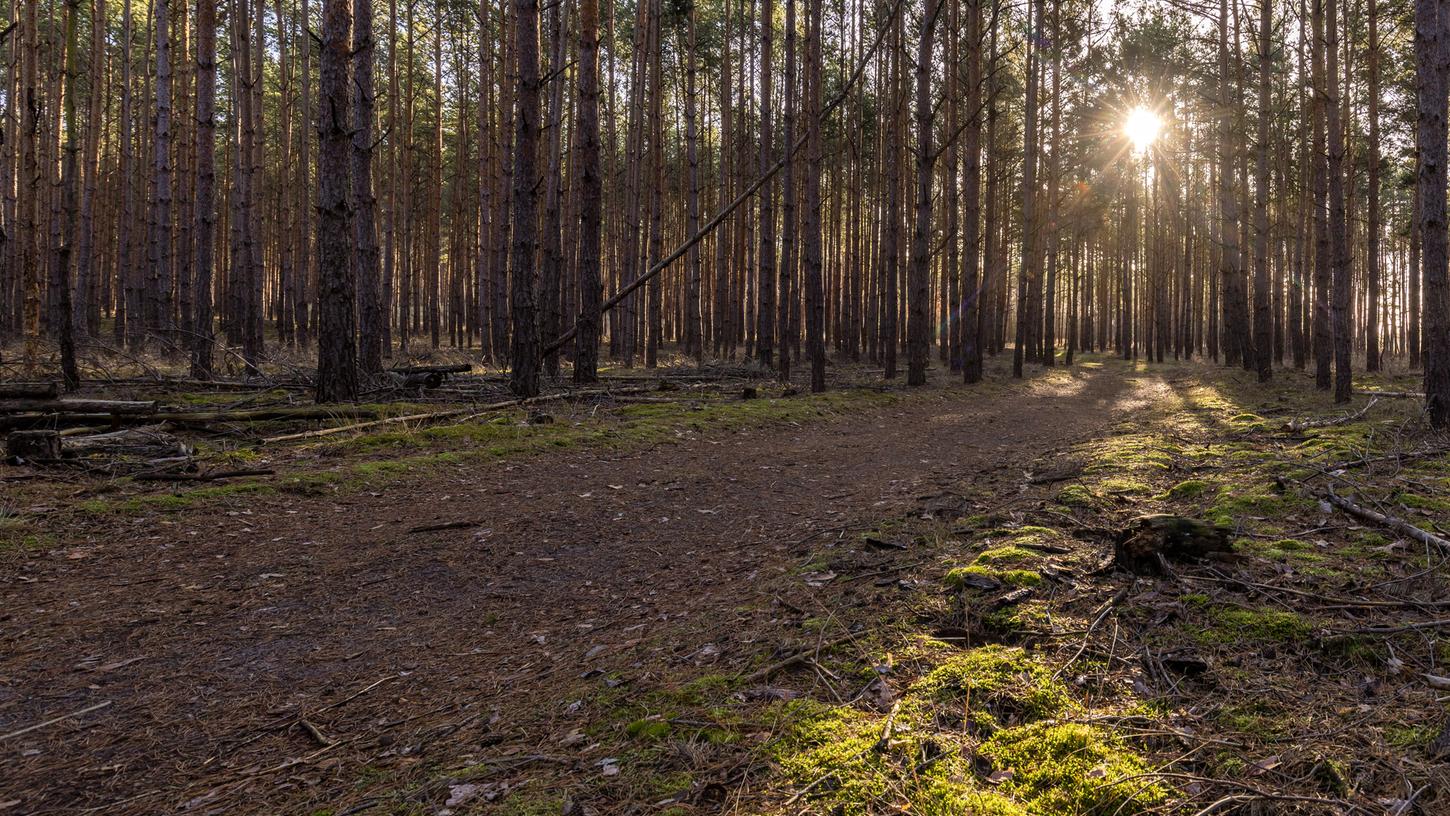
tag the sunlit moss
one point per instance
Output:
(961, 576)
(1062, 769)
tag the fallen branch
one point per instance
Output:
(1397, 394)
(761, 674)
(1397, 524)
(1306, 424)
(54, 720)
(446, 525)
(292, 437)
(77, 406)
(214, 476)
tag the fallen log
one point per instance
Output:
(459, 368)
(77, 406)
(1399, 525)
(29, 390)
(53, 446)
(149, 443)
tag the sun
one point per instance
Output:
(1142, 127)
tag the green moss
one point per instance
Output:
(1232, 624)
(958, 578)
(1124, 487)
(1069, 768)
(1187, 489)
(835, 746)
(1075, 495)
(1006, 556)
(1410, 736)
(1256, 718)
(1002, 681)
(1234, 503)
(648, 729)
(530, 803)
(1284, 549)
(1424, 502)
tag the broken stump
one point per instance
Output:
(32, 445)
(1148, 542)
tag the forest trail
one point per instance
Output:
(295, 652)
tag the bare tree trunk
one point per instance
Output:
(302, 280)
(1432, 62)
(786, 271)
(205, 231)
(524, 372)
(1263, 312)
(694, 342)
(70, 182)
(1372, 247)
(364, 200)
(551, 269)
(815, 297)
(974, 285)
(1029, 195)
(337, 286)
(1338, 224)
(591, 196)
(919, 281)
(765, 257)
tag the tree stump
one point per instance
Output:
(32, 445)
(1148, 542)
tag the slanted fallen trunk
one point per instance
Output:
(1149, 542)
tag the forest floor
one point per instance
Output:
(872, 601)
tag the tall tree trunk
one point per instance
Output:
(788, 197)
(811, 244)
(1323, 334)
(694, 344)
(765, 257)
(591, 196)
(1029, 193)
(919, 320)
(1338, 224)
(1432, 63)
(1372, 225)
(1263, 311)
(205, 232)
(524, 352)
(974, 286)
(70, 182)
(364, 201)
(337, 285)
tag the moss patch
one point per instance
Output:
(1070, 768)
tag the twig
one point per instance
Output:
(1102, 613)
(54, 720)
(761, 674)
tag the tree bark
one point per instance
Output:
(524, 351)
(337, 285)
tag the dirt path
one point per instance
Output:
(290, 653)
